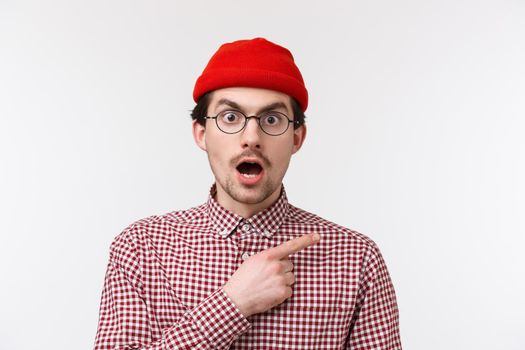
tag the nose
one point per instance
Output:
(251, 134)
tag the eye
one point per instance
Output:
(272, 119)
(230, 117)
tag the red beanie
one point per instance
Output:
(253, 63)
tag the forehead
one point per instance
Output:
(249, 99)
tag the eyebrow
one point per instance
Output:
(271, 106)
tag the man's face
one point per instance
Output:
(231, 156)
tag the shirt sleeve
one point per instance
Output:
(125, 323)
(375, 324)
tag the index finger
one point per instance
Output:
(293, 245)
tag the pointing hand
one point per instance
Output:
(264, 280)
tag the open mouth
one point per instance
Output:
(249, 169)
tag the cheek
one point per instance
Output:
(219, 150)
(282, 155)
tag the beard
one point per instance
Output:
(248, 194)
(240, 193)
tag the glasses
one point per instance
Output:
(233, 121)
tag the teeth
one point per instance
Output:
(248, 175)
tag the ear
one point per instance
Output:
(199, 134)
(299, 135)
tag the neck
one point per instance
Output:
(245, 210)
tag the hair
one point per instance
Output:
(200, 111)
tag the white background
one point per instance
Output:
(416, 139)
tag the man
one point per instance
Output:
(247, 270)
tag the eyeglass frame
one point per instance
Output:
(247, 118)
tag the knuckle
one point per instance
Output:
(293, 245)
(263, 256)
(281, 280)
(275, 268)
(282, 294)
(285, 293)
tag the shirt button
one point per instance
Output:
(245, 255)
(246, 227)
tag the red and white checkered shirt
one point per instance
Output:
(163, 285)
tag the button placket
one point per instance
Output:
(246, 255)
(248, 242)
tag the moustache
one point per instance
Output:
(251, 154)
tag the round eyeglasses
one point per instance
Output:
(233, 121)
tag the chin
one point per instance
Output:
(250, 195)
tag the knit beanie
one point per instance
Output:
(253, 63)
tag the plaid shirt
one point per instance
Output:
(163, 285)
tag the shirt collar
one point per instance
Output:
(266, 222)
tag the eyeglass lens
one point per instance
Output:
(273, 123)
